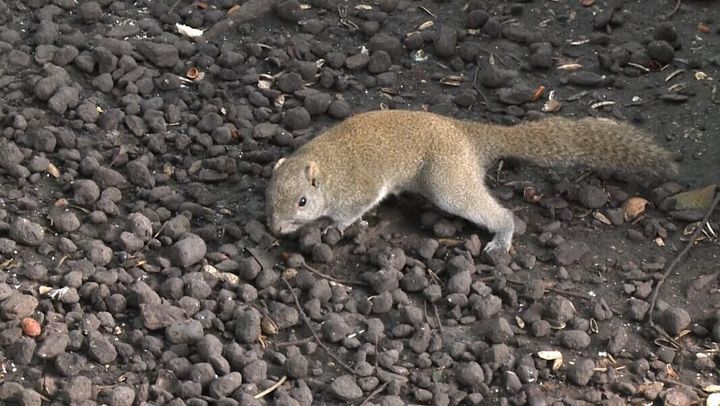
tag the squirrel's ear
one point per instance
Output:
(278, 163)
(311, 172)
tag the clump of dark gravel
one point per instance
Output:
(136, 267)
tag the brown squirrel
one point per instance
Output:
(347, 170)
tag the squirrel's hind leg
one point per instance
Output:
(467, 196)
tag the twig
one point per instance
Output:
(675, 9)
(425, 9)
(312, 331)
(270, 389)
(477, 88)
(665, 336)
(549, 289)
(173, 6)
(374, 393)
(682, 253)
(294, 342)
(566, 293)
(437, 316)
(147, 244)
(493, 56)
(331, 278)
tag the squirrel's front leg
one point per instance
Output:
(501, 241)
(342, 227)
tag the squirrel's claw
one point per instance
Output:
(493, 245)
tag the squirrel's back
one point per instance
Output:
(399, 139)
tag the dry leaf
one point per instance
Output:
(450, 242)
(193, 73)
(451, 80)
(425, 25)
(188, 31)
(268, 326)
(551, 106)
(633, 208)
(555, 356)
(601, 104)
(703, 28)
(168, 169)
(279, 101)
(222, 276)
(531, 195)
(602, 218)
(62, 202)
(53, 170)
(537, 93)
(232, 10)
(419, 55)
(570, 66)
(201, 5)
(587, 3)
(549, 355)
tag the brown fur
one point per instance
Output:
(350, 168)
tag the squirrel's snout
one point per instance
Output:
(276, 226)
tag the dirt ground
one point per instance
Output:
(136, 267)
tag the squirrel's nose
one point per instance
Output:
(275, 226)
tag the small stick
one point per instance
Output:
(663, 334)
(549, 289)
(682, 253)
(294, 342)
(425, 9)
(331, 278)
(374, 393)
(437, 316)
(270, 389)
(675, 9)
(173, 6)
(477, 88)
(147, 244)
(312, 331)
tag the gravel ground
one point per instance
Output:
(136, 267)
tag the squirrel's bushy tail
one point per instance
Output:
(595, 142)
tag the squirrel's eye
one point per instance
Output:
(302, 202)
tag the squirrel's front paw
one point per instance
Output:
(494, 245)
(496, 253)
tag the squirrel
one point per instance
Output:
(350, 168)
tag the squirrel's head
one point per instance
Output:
(294, 196)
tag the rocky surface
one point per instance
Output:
(136, 267)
